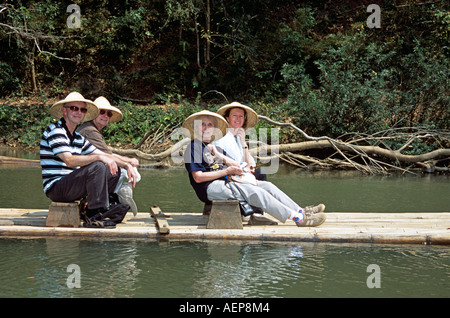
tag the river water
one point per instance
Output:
(41, 267)
(340, 191)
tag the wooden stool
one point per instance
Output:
(64, 214)
(225, 214)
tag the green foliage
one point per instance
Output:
(351, 96)
(368, 85)
(23, 124)
(315, 64)
(8, 79)
(139, 120)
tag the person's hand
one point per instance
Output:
(134, 162)
(234, 170)
(110, 163)
(212, 148)
(240, 132)
(131, 174)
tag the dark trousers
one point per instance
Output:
(94, 181)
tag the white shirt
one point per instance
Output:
(233, 147)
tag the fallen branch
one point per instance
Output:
(368, 150)
(368, 158)
(152, 157)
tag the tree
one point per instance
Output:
(31, 28)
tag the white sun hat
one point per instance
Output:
(222, 124)
(102, 103)
(92, 110)
(251, 116)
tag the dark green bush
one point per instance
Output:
(316, 65)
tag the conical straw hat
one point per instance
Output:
(92, 110)
(222, 124)
(252, 117)
(102, 103)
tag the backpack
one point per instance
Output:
(116, 212)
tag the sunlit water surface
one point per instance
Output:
(139, 268)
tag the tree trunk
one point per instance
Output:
(208, 32)
(33, 69)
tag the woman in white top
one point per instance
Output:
(240, 118)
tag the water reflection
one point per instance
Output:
(141, 268)
(249, 270)
(38, 268)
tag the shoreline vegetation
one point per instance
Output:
(368, 153)
(342, 86)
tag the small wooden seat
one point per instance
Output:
(225, 214)
(64, 214)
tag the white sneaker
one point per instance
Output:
(315, 209)
(310, 220)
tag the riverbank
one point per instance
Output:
(149, 134)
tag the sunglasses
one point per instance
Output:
(103, 111)
(75, 109)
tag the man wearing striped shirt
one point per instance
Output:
(72, 168)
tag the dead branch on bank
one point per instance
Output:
(367, 158)
(370, 154)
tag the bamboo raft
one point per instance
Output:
(384, 228)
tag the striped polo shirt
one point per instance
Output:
(57, 139)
